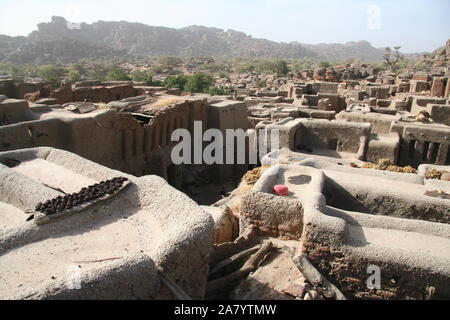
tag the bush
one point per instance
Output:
(261, 83)
(117, 74)
(17, 73)
(157, 70)
(154, 83)
(324, 64)
(74, 75)
(139, 76)
(281, 67)
(178, 82)
(199, 83)
(266, 66)
(420, 67)
(98, 72)
(246, 68)
(223, 74)
(52, 74)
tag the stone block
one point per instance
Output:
(438, 87)
(440, 113)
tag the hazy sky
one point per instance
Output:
(416, 25)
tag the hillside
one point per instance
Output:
(61, 41)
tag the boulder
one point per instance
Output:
(225, 224)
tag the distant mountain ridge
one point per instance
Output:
(59, 40)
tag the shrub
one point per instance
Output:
(139, 76)
(155, 83)
(52, 74)
(199, 83)
(178, 82)
(74, 75)
(98, 72)
(157, 70)
(266, 66)
(324, 64)
(117, 74)
(281, 67)
(245, 68)
(261, 83)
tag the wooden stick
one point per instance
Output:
(54, 188)
(99, 260)
(176, 290)
(249, 266)
(315, 277)
(224, 263)
(225, 250)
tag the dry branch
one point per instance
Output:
(98, 260)
(176, 290)
(224, 263)
(225, 250)
(249, 266)
(315, 277)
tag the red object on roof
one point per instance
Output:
(281, 190)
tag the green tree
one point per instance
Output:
(246, 67)
(17, 73)
(178, 82)
(78, 67)
(261, 83)
(218, 91)
(223, 74)
(266, 67)
(379, 67)
(150, 82)
(199, 83)
(420, 67)
(281, 67)
(157, 69)
(52, 74)
(117, 74)
(98, 72)
(324, 64)
(139, 75)
(74, 75)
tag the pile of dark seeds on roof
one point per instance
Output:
(69, 201)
